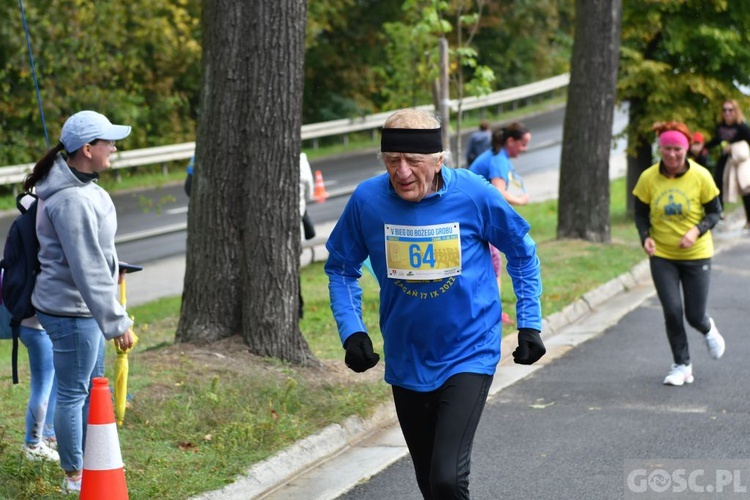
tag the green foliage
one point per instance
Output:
(138, 62)
(375, 55)
(325, 16)
(339, 79)
(680, 60)
(413, 63)
(481, 81)
(525, 41)
(410, 66)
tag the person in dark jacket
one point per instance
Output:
(731, 128)
(479, 142)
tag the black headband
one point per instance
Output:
(411, 140)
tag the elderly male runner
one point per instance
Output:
(426, 229)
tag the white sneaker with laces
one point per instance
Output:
(679, 375)
(714, 341)
(41, 452)
(71, 485)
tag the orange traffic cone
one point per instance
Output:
(103, 472)
(320, 193)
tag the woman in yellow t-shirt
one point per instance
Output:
(676, 205)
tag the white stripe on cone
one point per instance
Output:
(102, 448)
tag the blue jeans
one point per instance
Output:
(78, 346)
(40, 412)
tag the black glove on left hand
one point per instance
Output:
(359, 353)
(530, 347)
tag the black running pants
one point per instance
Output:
(439, 428)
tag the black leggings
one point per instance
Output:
(439, 428)
(721, 165)
(694, 276)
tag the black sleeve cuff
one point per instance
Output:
(642, 212)
(712, 217)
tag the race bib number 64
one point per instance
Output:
(423, 252)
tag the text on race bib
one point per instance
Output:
(423, 252)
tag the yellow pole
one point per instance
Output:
(123, 293)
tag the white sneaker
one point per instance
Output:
(51, 443)
(714, 341)
(41, 452)
(71, 485)
(679, 375)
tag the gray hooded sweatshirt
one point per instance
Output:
(76, 224)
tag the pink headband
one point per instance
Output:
(674, 138)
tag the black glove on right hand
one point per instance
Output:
(359, 354)
(530, 347)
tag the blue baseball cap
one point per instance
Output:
(86, 126)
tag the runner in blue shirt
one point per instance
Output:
(495, 166)
(426, 229)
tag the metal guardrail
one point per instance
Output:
(162, 154)
(338, 127)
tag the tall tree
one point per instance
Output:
(680, 60)
(243, 249)
(583, 211)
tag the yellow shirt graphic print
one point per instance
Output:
(423, 252)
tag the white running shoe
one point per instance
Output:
(714, 341)
(679, 375)
(41, 452)
(51, 442)
(71, 485)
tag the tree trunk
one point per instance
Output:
(643, 157)
(587, 135)
(243, 243)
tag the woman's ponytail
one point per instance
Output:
(42, 168)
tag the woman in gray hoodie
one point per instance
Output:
(76, 289)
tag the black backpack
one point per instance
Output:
(20, 266)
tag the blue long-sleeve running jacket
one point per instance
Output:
(439, 302)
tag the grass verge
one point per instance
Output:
(200, 415)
